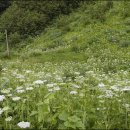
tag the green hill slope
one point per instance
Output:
(99, 31)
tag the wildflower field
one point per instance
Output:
(63, 96)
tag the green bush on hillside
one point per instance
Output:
(31, 17)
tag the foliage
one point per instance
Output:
(4, 4)
(31, 17)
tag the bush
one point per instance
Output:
(98, 11)
(4, 4)
(31, 17)
(14, 38)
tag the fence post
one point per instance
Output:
(7, 43)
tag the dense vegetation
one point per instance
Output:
(29, 18)
(75, 74)
(4, 4)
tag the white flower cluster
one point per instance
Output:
(2, 97)
(24, 124)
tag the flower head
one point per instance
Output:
(5, 91)
(16, 98)
(24, 124)
(38, 82)
(2, 97)
(8, 119)
(20, 91)
(73, 92)
(29, 88)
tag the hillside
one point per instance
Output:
(74, 75)
(82, 34)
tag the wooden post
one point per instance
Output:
(7, 43)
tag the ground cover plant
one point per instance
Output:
(62, 96)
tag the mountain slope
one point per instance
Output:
(96, 30)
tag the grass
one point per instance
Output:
(68, 91)
(56, 42)
(73, 76)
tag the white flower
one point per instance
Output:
(2, 97)
(29, 88)
(77, 73)
(19, 76)
(8, 119)
(28, 71)
(4, 69)
(127, 88)
(101, 85)
(73, 92)
(18, 88)
(1, 111)
(5, 91)
(50, 90)
(57, 88)
(16, 98)
(50, 85)
(98, 109)
(109, 94)
(38, 82)
(6, 108)
(75, 86)
(20, 91)
(24, 124)
(115, 88)
(9, 95)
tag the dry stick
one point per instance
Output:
(7, 43)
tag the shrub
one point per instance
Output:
(14, 38)
(31, 17)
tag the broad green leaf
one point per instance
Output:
(61, 126)
(43, 110)
(46, 101)
(70, 125)
(63, 116)
(40, 103)
(33, 113)
(79, 124)
(74, 119)
(50, 96)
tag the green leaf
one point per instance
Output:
(50, 96)
(70, 125)
(74, 119)
(61, 126)
(46, 101)
(63, 116)
(80, 125)
(33, 113)
(43, 111)
(40, 103)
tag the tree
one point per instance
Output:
(4, 4)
